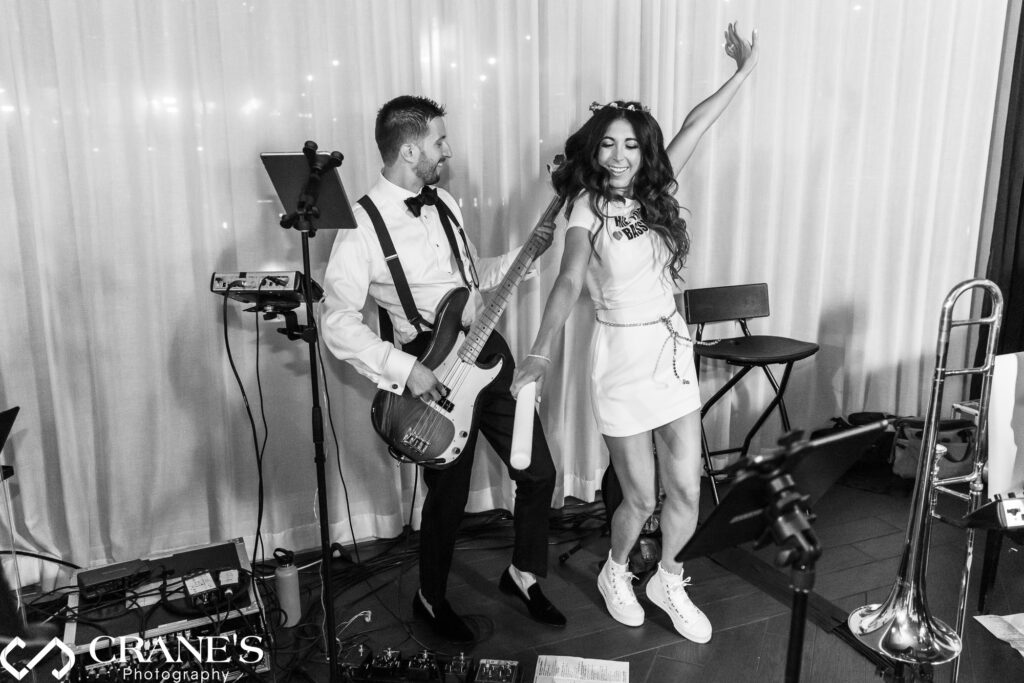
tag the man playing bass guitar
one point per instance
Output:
(405, 221)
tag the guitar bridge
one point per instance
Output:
(415, 443)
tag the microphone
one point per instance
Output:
(522, 428)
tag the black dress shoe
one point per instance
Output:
(445, 622)
(540, 607)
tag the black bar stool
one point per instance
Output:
(738, 303)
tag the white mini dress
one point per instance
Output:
(642, 371)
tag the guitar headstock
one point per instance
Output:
(556, 204)
(556, 163)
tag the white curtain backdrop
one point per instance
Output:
(848, 175)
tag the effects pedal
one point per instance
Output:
(457, 669)
(354, 658)
(498, 671)
(383, 667)
(423, 667)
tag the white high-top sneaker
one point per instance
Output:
(668, 591)
(616, 585)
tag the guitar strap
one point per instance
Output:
(387, 330)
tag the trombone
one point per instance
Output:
(901, 627)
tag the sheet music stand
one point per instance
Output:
(770, 501)
(309, 187)
(290, 173)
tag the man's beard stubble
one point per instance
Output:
(429, 174)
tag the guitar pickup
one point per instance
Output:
(446, 404)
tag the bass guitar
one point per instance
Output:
(434, 433)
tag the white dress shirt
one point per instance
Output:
(357, 268)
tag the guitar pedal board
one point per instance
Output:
(389, 666)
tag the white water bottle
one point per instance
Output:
(286, 578)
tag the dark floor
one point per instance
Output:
(861, 533)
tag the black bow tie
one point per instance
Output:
(427, 196)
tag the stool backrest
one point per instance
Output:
(718, 304)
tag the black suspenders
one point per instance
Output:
(398, 274)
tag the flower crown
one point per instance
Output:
(630, 106)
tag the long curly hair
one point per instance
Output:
(654, 185)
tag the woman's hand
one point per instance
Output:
(532, 369)
(545, 235)
(745, 54)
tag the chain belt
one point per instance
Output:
(674, 335)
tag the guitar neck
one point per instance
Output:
(485, 323)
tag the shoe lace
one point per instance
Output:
(677, 591)
(677, 586)
(622, 583)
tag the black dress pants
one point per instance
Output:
(448, 489)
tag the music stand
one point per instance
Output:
(309, 187)
(290, 172)
(770, 501)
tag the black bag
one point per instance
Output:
(878, 453)
(872, 471)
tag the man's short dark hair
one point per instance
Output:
(403, 119)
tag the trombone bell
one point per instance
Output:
(902, 629)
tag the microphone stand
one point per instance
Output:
(789, 527)
(302, 220)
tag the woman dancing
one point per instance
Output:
(626, 239)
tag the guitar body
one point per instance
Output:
(434, 433)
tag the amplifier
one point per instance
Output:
(268, 290)
(213, 633)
